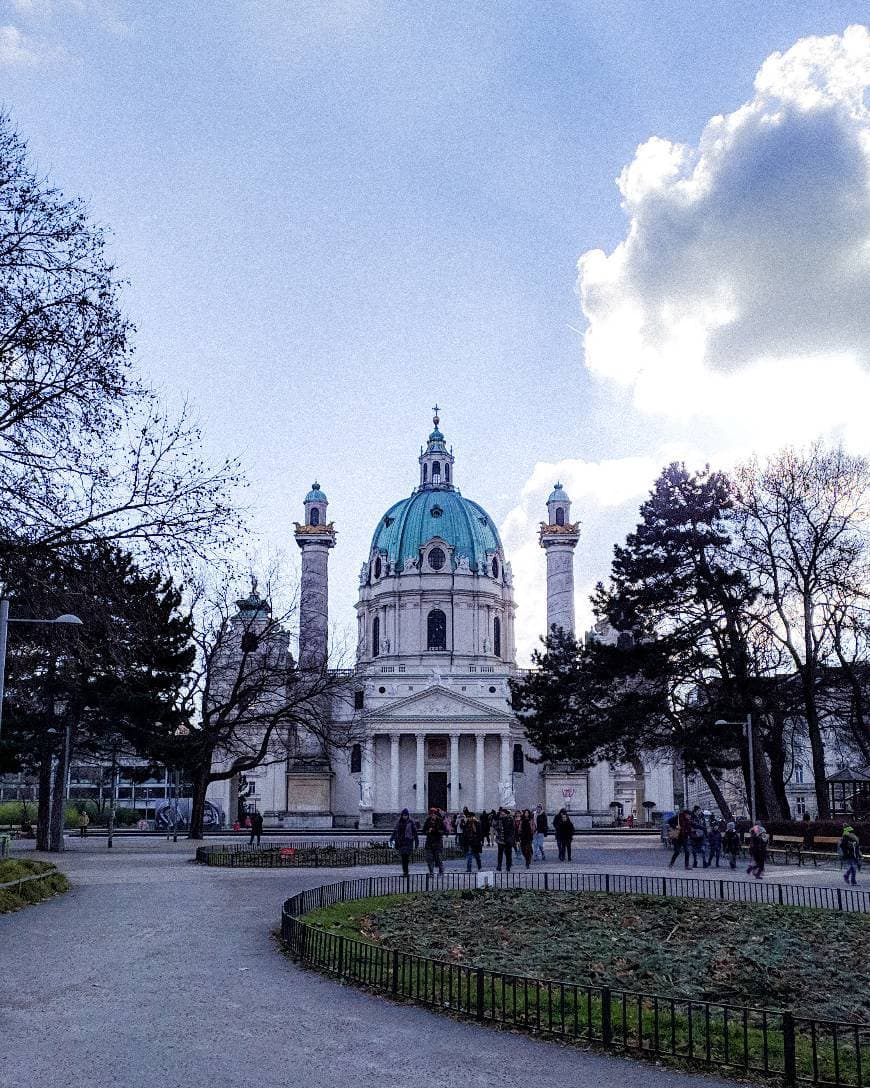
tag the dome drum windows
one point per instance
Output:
(496, 637)
(376, 636)
(436, 630)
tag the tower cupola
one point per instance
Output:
(436, 461)
(559, 506)
(315, 506)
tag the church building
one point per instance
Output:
(435, 652)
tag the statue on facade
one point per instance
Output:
(363, 574)
(463, 565)
(506, 794)
(365, 795)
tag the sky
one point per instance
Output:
(601, 236)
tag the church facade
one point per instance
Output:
(435, 653)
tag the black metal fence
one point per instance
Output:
(732, 1038)
(306, 855)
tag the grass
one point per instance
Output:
(748, 961)
(32, 891)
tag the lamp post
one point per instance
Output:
(747, 725)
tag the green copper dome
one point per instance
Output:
(411, 523)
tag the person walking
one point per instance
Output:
(850, 852)
(758, 839)
(505, 836)
(564, 831)
(405, 838)
(493, 816)
(471, 840)
(527, 834)
(714, 845)
(84, 820)
(731, 843)
(256, 827)
(485, 826)
(698, 836)
(682, 827)
(542, 829)
(433, 841)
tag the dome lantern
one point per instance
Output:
(436, 461)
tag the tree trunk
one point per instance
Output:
(200, 782)
(55, 835)
(817, 750)
(766, 801)
(43, 806)
(716, 790)
(773, 746)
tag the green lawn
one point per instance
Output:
(32, 891)
(815, 963)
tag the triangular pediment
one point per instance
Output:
(440, 703)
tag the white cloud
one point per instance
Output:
(739, 294)
(16, 48)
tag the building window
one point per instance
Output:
(359, 700)
(798, 775)
(519, 759)
(356, 756)
(436, 630)
(425, 473)
(378, 567)
(496, 637)
(376, 636)
(560, 517)
(495, 567)
(800, 805)
(315, 516)
(437, 558)
(447, 474)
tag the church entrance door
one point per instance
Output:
(437, 792)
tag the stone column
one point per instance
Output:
(394, 772)
(479, 799)
(453, 799)
(421, 772)
(366, 800)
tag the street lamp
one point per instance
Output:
(747, 725)
(66, 618)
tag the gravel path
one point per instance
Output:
(154, 971)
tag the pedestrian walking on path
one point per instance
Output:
(714, 845)
(698, 837)
(564, 830)
(256, 828)
(542, 829)
(505, 836)
(471, 839)
(731, 843)
(405, 838)
(679, 827)
(758, 840)
(850, 852)
(433, 841)
(527, 834)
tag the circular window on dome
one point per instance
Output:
(495, 568)
(437, 559)
(378, 568)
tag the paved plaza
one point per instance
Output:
(155, 971)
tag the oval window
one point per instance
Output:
(437, 559)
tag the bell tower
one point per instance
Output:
(558, 537)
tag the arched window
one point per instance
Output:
(436, 472)
(519, 759)
(356, 759)
(425, 473)
(437, 558)
(496, 637)
(436, 630)
(378, 567)
(447, 474)
(560, 516)
(494, 567)
(315, 516)
(376, 636)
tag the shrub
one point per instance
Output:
(16, 813)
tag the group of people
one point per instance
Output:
(522, 833)
(699, 834)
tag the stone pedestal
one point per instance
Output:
(309, 799)
(365, 817)
(568, 790)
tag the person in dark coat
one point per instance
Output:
(714, 845)
(471, 840)
(485, 826)
(731, 843)
(758, 839)
(256, 827)
(683, 829)
(542, 830)
(505, 836)
(850, 852)
(527, 833)
(564, 829)
(405, 838)
(433, 841)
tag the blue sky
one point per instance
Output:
(332, 215)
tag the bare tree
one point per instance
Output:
(85, 451)
(251, 704)
(803, 525)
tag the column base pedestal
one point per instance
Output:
(365, 818)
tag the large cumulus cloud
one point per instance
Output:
(746, 264)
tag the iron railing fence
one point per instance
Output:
(292, 856)
(739, 1039)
